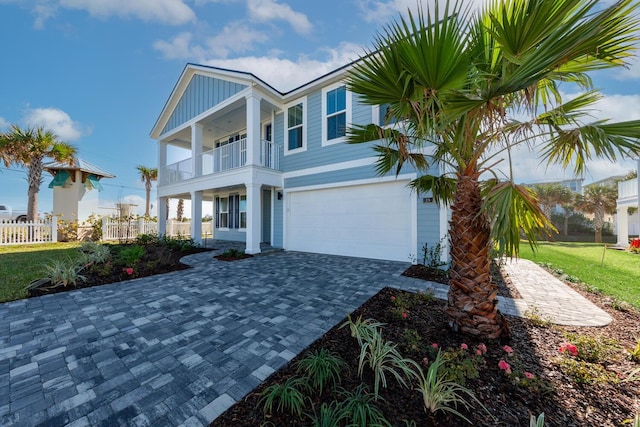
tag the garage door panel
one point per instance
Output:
(372, 221)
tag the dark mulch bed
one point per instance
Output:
(564, 401)
(505, 287)
(157, 259)
(223, 257)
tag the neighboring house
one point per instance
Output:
(277, 170)
(628, 220)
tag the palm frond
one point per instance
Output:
(442, 187)
(513, 209)
(598, 139)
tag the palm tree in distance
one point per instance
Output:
(550, 195)
(147, 175)
(598, 200)
(451, 82)
(29, 148)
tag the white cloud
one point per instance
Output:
(270, 10)
(4, 124)
(234, 38)
(57, 121)
(173, 12)
(285, 74)
(381, 11)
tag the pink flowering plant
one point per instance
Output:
(517, 373)
(460, 363)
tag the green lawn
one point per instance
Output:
(20, 264)
(618, 275)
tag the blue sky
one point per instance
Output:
(98, 72)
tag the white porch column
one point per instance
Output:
(162, 216)
(622, 220)
(253, 218)
(162, 160)
(197, 131)
(196, 216)
(253, 129)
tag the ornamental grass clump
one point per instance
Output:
(322, 367)
(440, 394)
(360, 408)
(380, 356)
(288, 397)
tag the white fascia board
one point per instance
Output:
(406, 177)
(367, 161)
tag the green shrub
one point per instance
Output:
(584, 372)
(592, 349)
(147, 239)
(130, 255)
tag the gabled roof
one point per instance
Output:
(247, 78)
(78, 164)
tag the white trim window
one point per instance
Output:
(336, 113)
(222, 212)
(231, 212)
(295, 120)
(242, 208)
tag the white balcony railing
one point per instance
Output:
(221, 159)
(226, 157)
(628, 189)
(177, 172)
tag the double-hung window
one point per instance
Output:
(222, 212)
(295, 125)
(336, 113)
(231, 211)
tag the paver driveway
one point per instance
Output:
(175, 349)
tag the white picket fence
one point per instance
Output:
(112, 229)
(22, 233)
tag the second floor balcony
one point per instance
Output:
(220, 159)
(628, 189)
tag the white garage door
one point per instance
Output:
(370, 221)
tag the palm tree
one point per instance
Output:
(554, 194)
(598, 200)
(29, 148)
(452, 82)
(147, 175)
(551, 195)
(180, 210)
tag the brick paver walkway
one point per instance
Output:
(180, 348)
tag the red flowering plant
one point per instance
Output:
(515, 370)
(634, 246)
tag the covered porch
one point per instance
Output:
(241, 213)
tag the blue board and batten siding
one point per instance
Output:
(201, 94)
(278, 220)
(231, 234)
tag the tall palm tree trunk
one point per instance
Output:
(147, 208)
(34, 177)
(472, 303)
